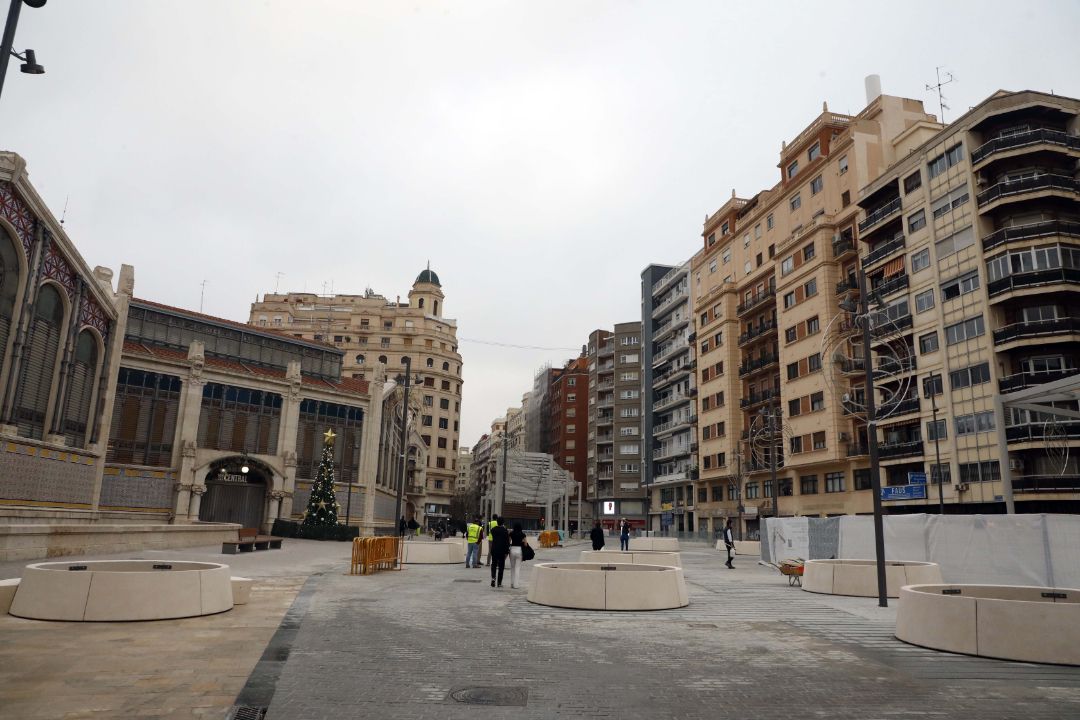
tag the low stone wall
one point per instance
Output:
(637, 557)
(858, 578)
(432, 553)
(1008, 622)
(663, 544)
(33, 542)
(742, 547)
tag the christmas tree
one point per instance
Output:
(322, 507)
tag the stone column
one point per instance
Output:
(187, 436)
(197, 491)
(369, 448)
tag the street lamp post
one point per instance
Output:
(404, 438)
(30, 65)
(930, 390)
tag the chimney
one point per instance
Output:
(873, 88)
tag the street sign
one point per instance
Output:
(903, 492)
(916, 478)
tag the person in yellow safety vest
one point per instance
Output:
(491, 526)
(472, 537)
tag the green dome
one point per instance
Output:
(427, 276)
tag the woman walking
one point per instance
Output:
(517, 540)
(597, 536)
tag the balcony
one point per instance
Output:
(1031, 231)
(414, 489)
(1046, 483)
(1032, 137)
(661, 284)
(1038, 183)
(847, 285)
(893, 409)
(606, 349)
(671, 375)
(664, 454)
(840, 248)
(756, 301)
(1038, 432)
(756, 398)
(899, 450)
(884, 250)
(1022, 380)
(668, 351)
(671, 400)
(605, 419)
(852, 366)
(757, 331)
(605, 404)
(672, 425)
(882, 330)
(853, 407)
(1036, 329)
(606, 385)
(894, 284)
(880, 213)
(679, 294)
(605, 476)
(858, 450)
(757, 364)
(1032, 279)
(887, 366)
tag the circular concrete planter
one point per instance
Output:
(635, 557)
(620, 586)
(663, 544)
(1008, 622)
(433, 553)
(122, 590)
(858, 578)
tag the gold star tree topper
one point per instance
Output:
(329, 435)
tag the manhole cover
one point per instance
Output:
(466, 580)
(504, 696)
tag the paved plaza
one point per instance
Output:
(317, 643)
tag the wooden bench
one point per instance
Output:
(249, 540)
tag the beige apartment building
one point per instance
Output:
(970, 270)
(372, 329)
(614, 441)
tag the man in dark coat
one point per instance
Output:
(597, 536)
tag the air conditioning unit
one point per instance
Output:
(960, 487)
(1016, 464)
(844, 437)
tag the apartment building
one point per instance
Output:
(569, 405)
(971, 249)
(614, 434)
(371, 330)
(771, 424)
(668, 388)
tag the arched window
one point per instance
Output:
(435, 307)
(431, 362)
(421, 303)
(359, 359)
(446, 367)
(9, 289)
(39, 363)
(81, 392)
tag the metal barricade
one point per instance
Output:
(372, 554)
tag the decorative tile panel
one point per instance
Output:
(15, 212)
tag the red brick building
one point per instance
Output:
(569, 396)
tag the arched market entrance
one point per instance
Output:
(236, 490)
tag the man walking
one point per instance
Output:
(472, 537)
(498, 549)
(624, 535)
(729, 543)
(490, 527)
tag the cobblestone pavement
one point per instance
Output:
(402, 645)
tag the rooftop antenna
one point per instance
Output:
(942, 107)
(63, 215)
(202, 295)
(277, 280)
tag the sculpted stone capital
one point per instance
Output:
(198, 490)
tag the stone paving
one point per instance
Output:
(317, 643)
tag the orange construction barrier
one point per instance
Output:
(549, 538)
(372, 554)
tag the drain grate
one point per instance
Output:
(467, 580)
(701, 625)
(247, 712)
(501, 696)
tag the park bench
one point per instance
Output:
(249, 540)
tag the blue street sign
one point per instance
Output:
(903, 492)
(916, 478)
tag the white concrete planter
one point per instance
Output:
(663, 544)
(595, 586)
(122, 590)
(1008, 622)
(446, 552)
(637, 557)
(858, 578)
(742, 547)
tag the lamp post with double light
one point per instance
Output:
(30, 64)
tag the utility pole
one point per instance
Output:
(404, 439)
(929, 384)
(6, 45)
(871, 437)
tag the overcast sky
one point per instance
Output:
(540, 154)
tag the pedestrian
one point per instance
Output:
(624, 535)
(402, 526)
(729, 543)
(414, 527)
(498, 549)
(491, 526)
(517, 542)
(472, 538)
(597, 536)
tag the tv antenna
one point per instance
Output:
(942, 107)
(202, 295)
(63, 215)
(277, 281)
